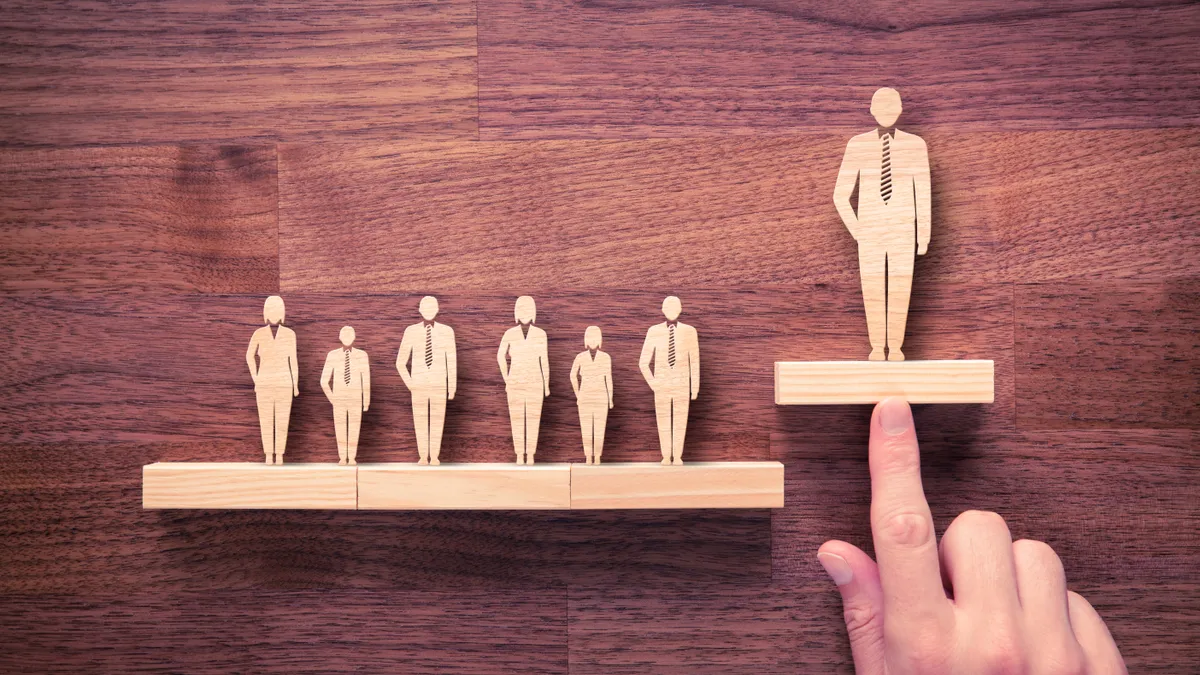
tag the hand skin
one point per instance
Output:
(1004, 607)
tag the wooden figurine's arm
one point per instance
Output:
(402, 360)
(575, 376)
(846, 180)
(544, 364)
(366, 382)
(501, 358)
(608, 382)
(326, 375)
(451, 368)
(250, 362)
(694, 362)
(921, 184)
(294, 367)
(644, 359)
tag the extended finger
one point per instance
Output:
(1099, 649)
(1042, 587)
(905, 546)
(857, 579)
(977, 554)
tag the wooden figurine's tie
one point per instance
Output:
(885, 179)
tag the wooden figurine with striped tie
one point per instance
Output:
(891, 169)
(674, 349)
(432, 377)
(346, 381)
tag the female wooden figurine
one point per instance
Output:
(524, 363)
(591, 377)
(275, 377)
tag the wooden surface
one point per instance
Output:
(176, 141)
(858, 382)
(482, 486)
(695, 485)
(248, 485)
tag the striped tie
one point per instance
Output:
(347, 367)
(428, 346)
(671, 345)
(885, 178)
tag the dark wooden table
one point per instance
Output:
(166, 165)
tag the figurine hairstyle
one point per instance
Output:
(273, 305)
(525, 306)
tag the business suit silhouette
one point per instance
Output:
(891, 169)
(432, 378)
(350, 393)
(675, 349)
(525, 365)
(591, 378)
(271, 358)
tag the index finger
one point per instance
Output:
(905, 545)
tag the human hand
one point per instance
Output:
(1008, 609)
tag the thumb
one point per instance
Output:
(857, 579)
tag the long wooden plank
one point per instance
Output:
(642, 67)
(247, 485)
(177, 71)
(695, 485)
(848, 382)
(401, 486)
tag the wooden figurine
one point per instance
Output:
(524, 363)
(350, 393)
(431, 379)
(271, 358)
(891, 169)
(675, 349)
(591, 378)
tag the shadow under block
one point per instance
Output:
(695, 485)
(848, 382)
(248, 485)
(464, 486)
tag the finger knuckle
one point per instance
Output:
(862, 619)
(1061, 662)
(899, 456)
(926, 650)
(974, 520)
(1036, 554)
(1002, 652)
(906, 529)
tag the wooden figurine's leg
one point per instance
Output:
(533, 422)
(437, 422)
(353, 426)
(420, 408)
(662, 410)
(585, 427)
(679, 414)
(516, 417)
(266, 421)
(599, 420)
(900, 276)
(283, 414)
(871, 262)
(339, 429)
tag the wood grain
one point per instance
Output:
(77, 72)
(695, 485)
(859, 382)
(479, 486)
(476, 631)
(1137, 342)
(142, 219)
(740, 212)
(631, 68)
(248, 485)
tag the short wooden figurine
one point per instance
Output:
(891, 169)
(674, 347)
(432, 378)
(271, 358)
(350, 393)
(591, 378)
(524, 363)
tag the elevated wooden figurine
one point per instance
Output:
(674, 349)
(432, 377)
(525, 365)
(271, 358)
(892, 225)
(346, 381)
(591, 378)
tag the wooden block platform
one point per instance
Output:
(844, 382)
(464, 486)
(248, 485)
(696, 485)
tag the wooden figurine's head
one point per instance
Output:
(885, 107)
(428, 308)
(672, 307)
(273, 310)
(526, 310)
(346, 336)
(592, 337)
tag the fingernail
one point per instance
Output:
(837, 568)
(895, 416)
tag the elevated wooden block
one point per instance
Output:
(842, 382)
(464, 486)
(696, 485)
(248, 485)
